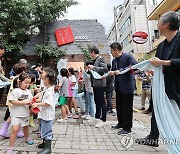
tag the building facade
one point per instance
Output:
(85, 32)
(131, 17)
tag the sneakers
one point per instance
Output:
(88, 117)
(94, 120)
(75, 116)
(100, 124)
(69, 115)
(84, 116)
(62, 120)
(10, 151)
(29, 142)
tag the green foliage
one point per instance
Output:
(15, 21)
(44, 52)
(46, 11)
(18, 18)
(85, 51)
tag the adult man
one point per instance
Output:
(124, 87)
(168, 55)
(98, 85)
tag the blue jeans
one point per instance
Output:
(109, 100)
(46, 129)
(90, 105)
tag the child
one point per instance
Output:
(19, 111)
(33, 88)
(64, 94)
(18, 69)
(47, 113)
(74, 88)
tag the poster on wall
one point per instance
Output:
(64, 35)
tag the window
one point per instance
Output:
(156, 34)
(126, 24)
(125, 42)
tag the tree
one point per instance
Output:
(47, 11)
(15, 21)
(18, 18)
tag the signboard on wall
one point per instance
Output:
(140, 37)
(64, 35)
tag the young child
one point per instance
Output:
(33, 88)
(20, 98)
(64, 94)
(74, 88)
(18, 69)
(47, 113)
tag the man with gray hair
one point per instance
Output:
(167, 55)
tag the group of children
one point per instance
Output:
(24, 97)
(20, 107)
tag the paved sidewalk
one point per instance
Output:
(81, 137)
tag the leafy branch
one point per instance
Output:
(46, 51)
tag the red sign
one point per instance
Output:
(64, 35)
(140, 37)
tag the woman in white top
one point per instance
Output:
(74, 88)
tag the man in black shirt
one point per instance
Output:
(167, 55)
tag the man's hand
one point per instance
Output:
(117, 72)
(90, 67)
(156, 61)
(111, 73)
(139, 78)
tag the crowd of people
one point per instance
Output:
(32, 91)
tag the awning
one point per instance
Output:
(163, 7)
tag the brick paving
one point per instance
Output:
(81, 137)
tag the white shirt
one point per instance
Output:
(19, 110)
(48, 112)
(72, 79)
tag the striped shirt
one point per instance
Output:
(48, 112)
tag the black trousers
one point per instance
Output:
(100, 103)
(1, 93)
(154, 134)
(124, 107)
(150, 103)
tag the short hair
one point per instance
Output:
(33, 77)
(64, 72)
(95, 49)
(109, 67)
(1, 46)
(18, 69)
(71, 70)
(50, 74)
(23, 61)
(173, 18)
(89, 63)
(116, 46)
